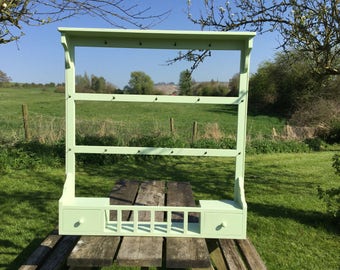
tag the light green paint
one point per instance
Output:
(90, 216)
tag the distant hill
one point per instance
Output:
(167, 88)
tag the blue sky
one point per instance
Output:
(38, 56)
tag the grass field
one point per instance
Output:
(287, 222)
(46, 118)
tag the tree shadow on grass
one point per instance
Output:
(277, 192)
(314, 219)
(207, 178)
(28, 210)
(274, 179)
(230, 110)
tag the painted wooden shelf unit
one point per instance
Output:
(91, 216)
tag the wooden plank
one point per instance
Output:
(216, 254)
(41, 253)
(231, 255)
(144, 251)
(59, 254)
(251, 256)
(97, 251)
(184, 252)
(94, 251)
(28, 267)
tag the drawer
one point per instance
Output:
(82, 221)
(220, 225)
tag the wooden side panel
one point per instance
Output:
(184, 252)
(144, 251)
(97, 251)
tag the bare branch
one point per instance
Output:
(196, 57)
(117, 13)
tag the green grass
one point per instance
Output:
(287, 222)
(286, 212)
(45, 107)
(46, 117)
(28, 212)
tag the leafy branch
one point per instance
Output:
(310, 27)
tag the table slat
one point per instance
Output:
(144, 251)
(184, 252)
(97, 251)
(252, 257)
(231, 255)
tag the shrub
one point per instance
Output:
(276, 146)
(226, 143)
(333, 135)
(60, 89)
(319, 112)
(314, 144)
(212, 88)
(336, 164)
(97, 159)
(332, 196)
(18, 159)
(157, 141)
(4, 162)
(51, 155)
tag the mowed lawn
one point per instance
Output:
(287, 222)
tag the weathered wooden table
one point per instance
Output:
(60, 252)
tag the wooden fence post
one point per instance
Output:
(172, 127)
(194, 132)
(25, 120)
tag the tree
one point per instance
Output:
(234, 85)
(310, 27)
(263, 92)
(212, 88)
(185, 83)
(98, 84)
(83, 83)
(283, 85)
(15, 14)
(140, 83)
(4, 78)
